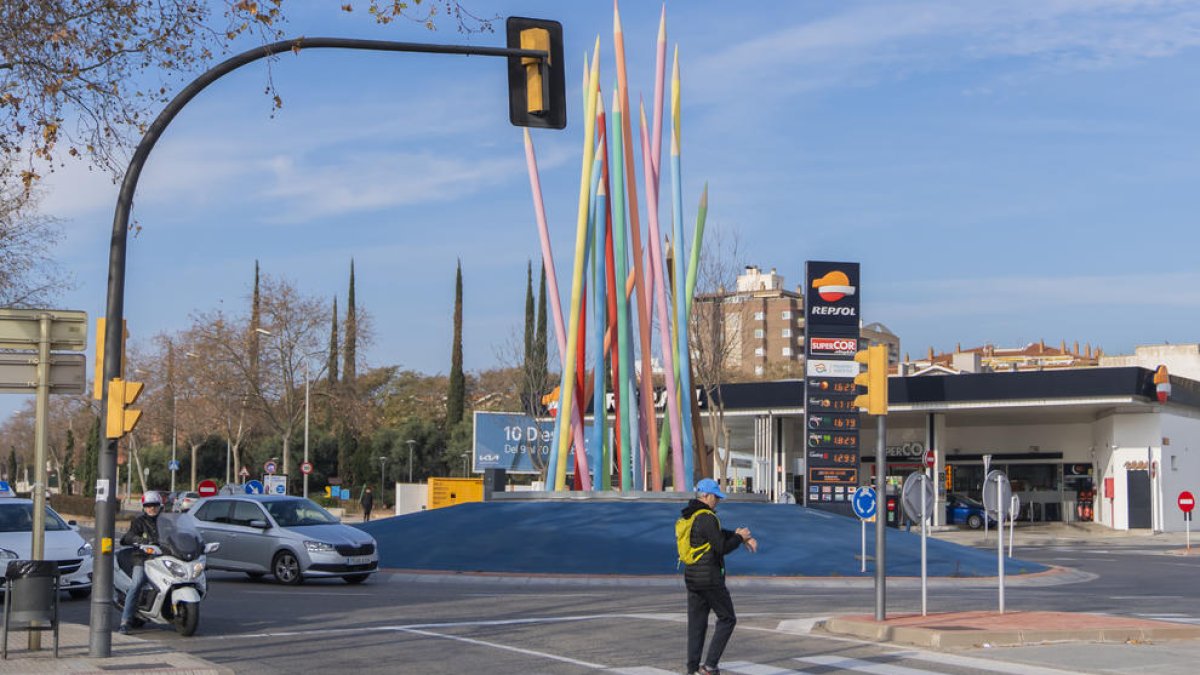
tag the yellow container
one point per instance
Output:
(451, 491)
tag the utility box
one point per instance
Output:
(451, 491)
(494, 480)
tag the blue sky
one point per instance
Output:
(1003, 172)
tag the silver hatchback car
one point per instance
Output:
(290, 538)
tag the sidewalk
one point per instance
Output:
(952, 630)
(129, 653)
(1057, 533)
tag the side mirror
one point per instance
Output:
(74, 525)
(211, 547)
(260, 524)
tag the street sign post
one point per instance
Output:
(917, 496)
(997, 496)
(865, 506)
(1186, 503)
(207, 488)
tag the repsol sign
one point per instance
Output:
(834, 311)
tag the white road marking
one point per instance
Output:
(861, 666)
(642, 670)
(300, 594)
(510, 648)
(987, 665)
(745, 668)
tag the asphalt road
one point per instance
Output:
(396, 624)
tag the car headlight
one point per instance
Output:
(318, 547)
(178, 569)
(6, 554)
(84, 551)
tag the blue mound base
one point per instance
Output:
(577, 537)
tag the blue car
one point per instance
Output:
(964, 510)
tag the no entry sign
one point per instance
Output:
(929, 459)
(1186, 501)
(207, 488)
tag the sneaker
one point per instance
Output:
(124, 629)
(710, 670)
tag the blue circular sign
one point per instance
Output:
(865, 503)
(254, 488)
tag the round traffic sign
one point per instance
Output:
(253, 488)
(997, 494)
(269, 467)
(306, 468)
(929, 459)
(864, 502)
(207, 488)
(917, 496)
(1186, 501)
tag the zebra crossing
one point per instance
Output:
(899, 663)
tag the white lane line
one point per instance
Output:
(302, 594)
(746, 668)
(974, 662)
(408, 626)
(861, 666)
(496, 645)
(642, 670)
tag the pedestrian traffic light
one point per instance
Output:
(537, 87)
(874, 378)
(121, 395)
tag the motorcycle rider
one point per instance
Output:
(143, 530)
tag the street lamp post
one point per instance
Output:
(411, 443)
(382, 462)
(306, 380)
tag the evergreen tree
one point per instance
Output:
(456, 396)
(331, 367)
(68, 464)
(348, 370)
(528, 393)
(540, 363)
(91, 460)
(255, 324)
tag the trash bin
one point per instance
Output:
(31, 600)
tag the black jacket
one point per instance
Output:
(709, 570)
(143, 530)
(368, 501)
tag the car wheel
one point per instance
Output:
(286, 568)
(355, 578)
(974, 521)
(79, 593)
(256, 575)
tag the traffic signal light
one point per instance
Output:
(121, 395)
(537, 88)
(874, 378)
(98, 374)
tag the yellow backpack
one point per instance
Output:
(689, 554)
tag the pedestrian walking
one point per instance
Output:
(703, 546)
(368, 502)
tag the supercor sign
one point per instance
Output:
(843, 346)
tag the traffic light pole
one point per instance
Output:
(881, 522)
(100, 630)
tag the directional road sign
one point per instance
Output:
(253, 488)
(18, 373)
(207, 488)
(864, 502)
(19, 329)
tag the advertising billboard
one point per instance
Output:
(515, 442)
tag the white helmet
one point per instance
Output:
(152, 498)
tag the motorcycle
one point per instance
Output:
(175, 578)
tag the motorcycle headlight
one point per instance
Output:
(84, 551)
(318, 547)
(178, 569)
(6, 554)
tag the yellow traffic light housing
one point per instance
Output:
(121, 418)
(537, 87)
(874, 378)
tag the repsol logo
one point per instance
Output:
(833, 311)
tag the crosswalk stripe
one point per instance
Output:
(747, 668)
(861, 666)
(640, 670)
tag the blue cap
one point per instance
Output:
(709, 486)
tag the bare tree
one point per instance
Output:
(28, 275)
(717, 322)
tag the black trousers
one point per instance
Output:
(700, 602)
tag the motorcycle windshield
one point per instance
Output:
(179, 541)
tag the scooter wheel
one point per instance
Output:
(187, 618)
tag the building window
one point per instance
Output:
(758, 316)
(787, 351)
(759, 351)
(787, 315)
(758, 370)
(787, 333)
(758, 333)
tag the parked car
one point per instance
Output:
(961, 509)
(184, 501)
(62, 542)
(290, 538)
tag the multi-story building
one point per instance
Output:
(990, 358)
(760, 330)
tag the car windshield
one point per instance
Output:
(19, 518)
(297, 512)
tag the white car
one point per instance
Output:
(63, 543)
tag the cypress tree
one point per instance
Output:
(540, 362)
(68, 464)
(351, 351)
(528, 394)
(331, 367)
(255, 324)
(455, 397)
